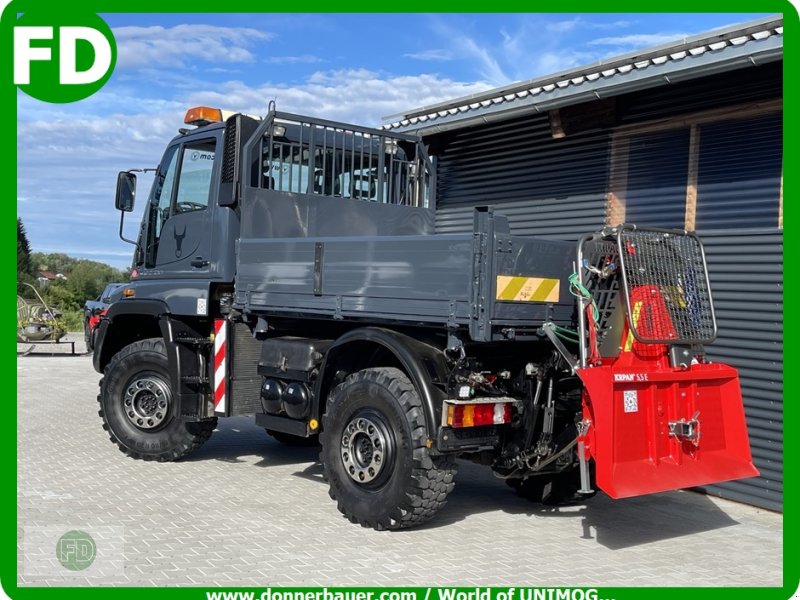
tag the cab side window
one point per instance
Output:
(195, 181)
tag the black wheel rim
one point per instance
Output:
(147, 401)
(367, 449)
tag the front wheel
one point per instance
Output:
(139, 409)
(374, 452)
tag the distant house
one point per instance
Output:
(687, 135)
(45, 277)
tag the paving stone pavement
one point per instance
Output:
(245, 510)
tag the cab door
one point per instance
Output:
(179, 226)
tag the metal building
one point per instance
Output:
(686, 135)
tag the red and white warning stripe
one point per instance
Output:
(220, 365)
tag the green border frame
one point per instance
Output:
(8, 443)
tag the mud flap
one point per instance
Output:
(657, 430)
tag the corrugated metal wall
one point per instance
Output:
(517, 167)
(754, 84)
(557, 188)
(740, 167)
(746, 271)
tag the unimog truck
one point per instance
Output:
(287, 268)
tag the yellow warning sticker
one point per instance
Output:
(527, 289)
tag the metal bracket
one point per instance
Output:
(455, 345)
(680, 356)
(452, 323)
(686, 429)
(319, 254)
(583, 463)
(549, 329)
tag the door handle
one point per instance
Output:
(198, 262)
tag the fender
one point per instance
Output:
(421, 362)
(105, 347)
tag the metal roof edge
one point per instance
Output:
(497, 95)
(652, 76)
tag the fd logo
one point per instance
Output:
(62, 58)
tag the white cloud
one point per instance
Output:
(353, 95)
(293, 60)
(639, 40)
(68, 161)
(433, 54)
(175, 46)
(549, 63)
(486, 63)
(563, 26)
(535, 47)
(568, 25)
(621, 24)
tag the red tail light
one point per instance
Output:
(476, 414)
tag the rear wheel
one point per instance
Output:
(138, 407)
(375, 456)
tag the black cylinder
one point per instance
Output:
(272, 391)
(296, 400)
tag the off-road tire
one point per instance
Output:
(411, 485)
(296, 441)
(175, 436)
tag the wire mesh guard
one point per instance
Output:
(666, 287)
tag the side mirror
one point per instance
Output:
(126, 191)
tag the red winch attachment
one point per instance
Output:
(654, 427)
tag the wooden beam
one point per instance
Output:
(556, 128)
(618, 180)
(691, 183)
(740, 111)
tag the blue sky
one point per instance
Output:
(351, 67)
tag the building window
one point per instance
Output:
(657, 173)
(739, 173)
(710, 171)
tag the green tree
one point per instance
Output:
(24, 263)
(23, 250)
(88, 278)
(55, 262)
(58, 295)
(85, 279)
